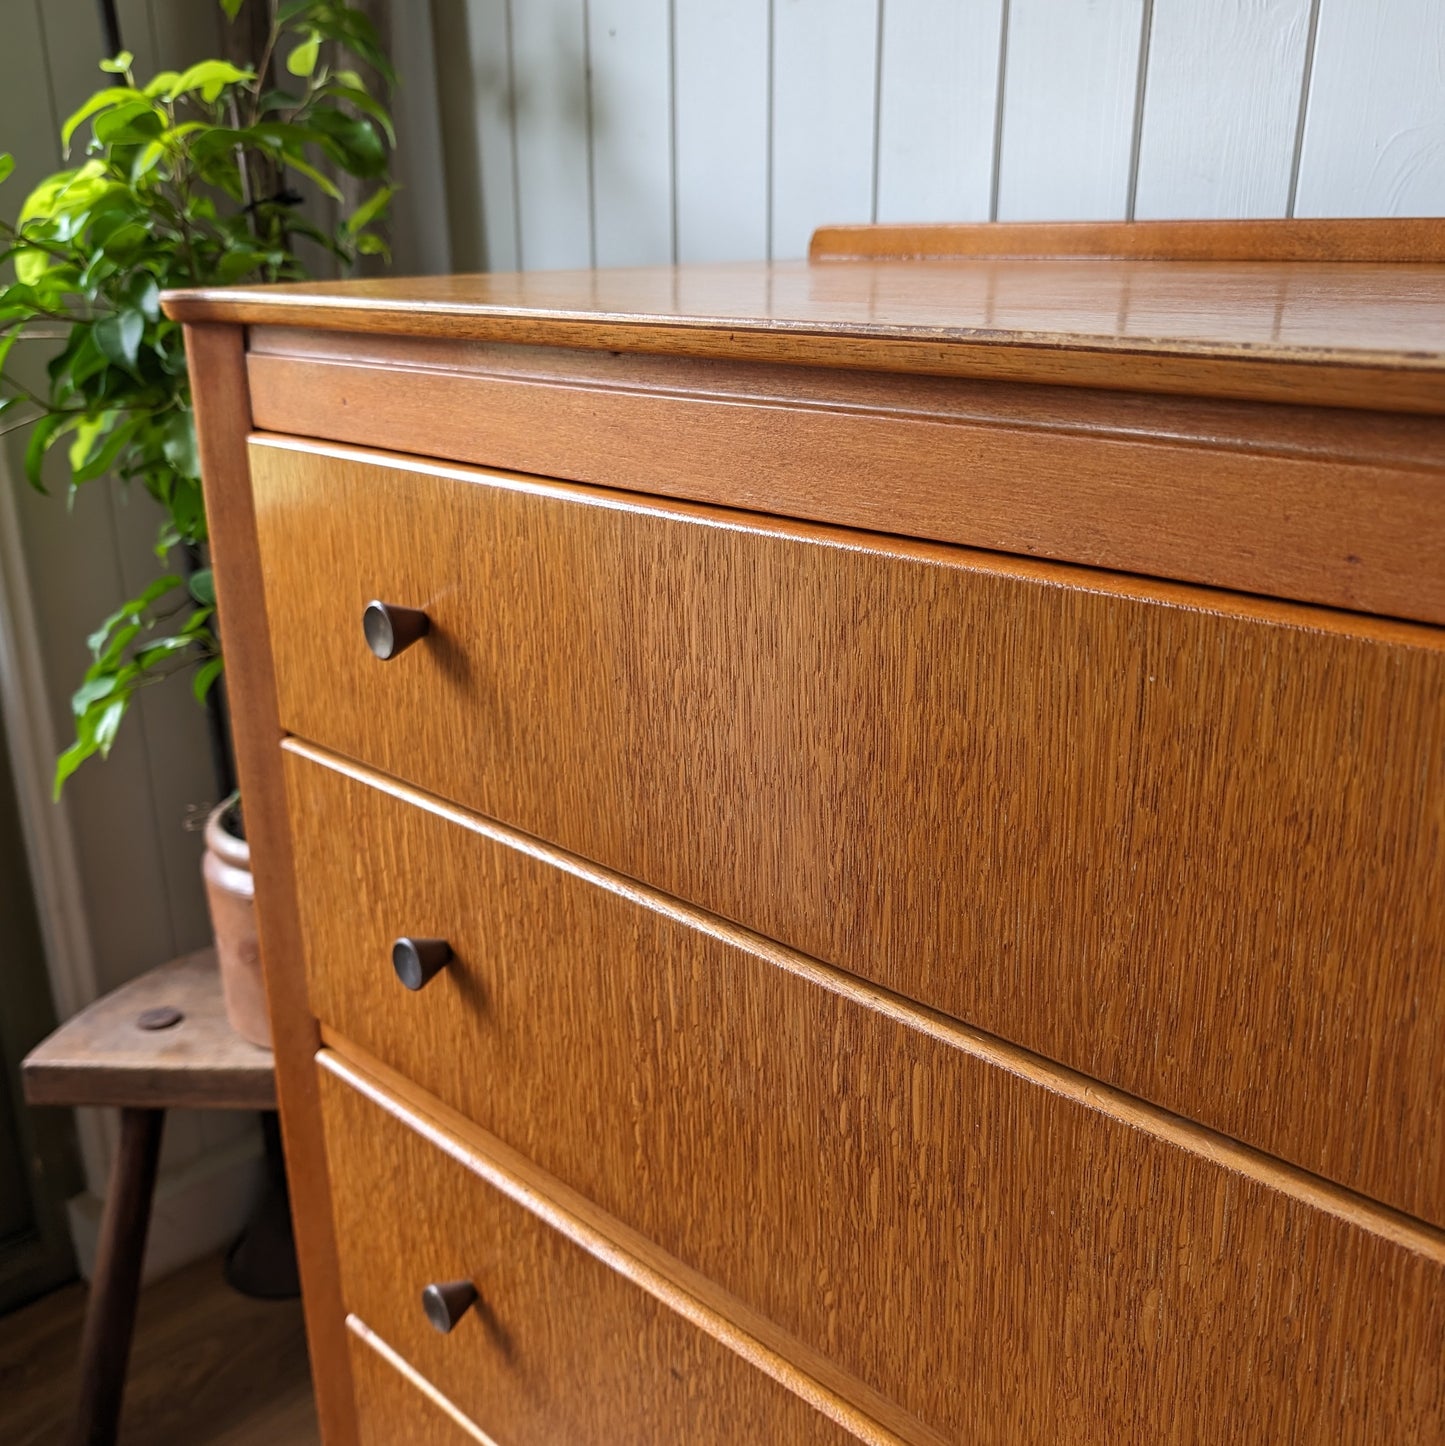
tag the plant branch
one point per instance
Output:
(36, 400)
(19, 423)
(263, 66)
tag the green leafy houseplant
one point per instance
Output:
(196, 177)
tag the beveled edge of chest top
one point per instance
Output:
(1340, 313)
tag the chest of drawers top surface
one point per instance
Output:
(1199, 313)
(932, 777)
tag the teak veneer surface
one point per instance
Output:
(1325, 506)
(781, 804)
(1334, 334)
(560, 1347)
(1007, 1257)
(684, 1291)
(216, 355)
(1186, 843)
(395, 1405)
(1374, 238)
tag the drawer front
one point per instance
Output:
(394, 1407)
(558, 1347)
(1006, 1251)
(1191, 846)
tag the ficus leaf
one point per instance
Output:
(100, 269)
(145, 296)
(180, 444)
(45, 433)
(132, 608)
(210, 77)
(302, 60)
(119, 336)
(203, 586)
(205, 678)
(31, 264)
(128, 124)
(147, 159)
(369, 209)
(153, 652)
(308, 170)
(366, 103)
(197, 626)
(50, 195)
(108, 724)
(116, 645)
(120, 65)
(71, 759)
(273, 101)
(162, 84)
(239, 262)
(86, 433)
(7, 164)
(101, 100)
(126, 240)
(104, 458)
(92, 690)
(352, 139)
(109, 214)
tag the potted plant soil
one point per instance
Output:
(217, 174)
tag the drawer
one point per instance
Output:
(1004, 1249)
(394, 1405)
(1189, 844)
(559, 1346)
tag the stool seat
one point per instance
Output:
(106, 1054)
(160, 1042)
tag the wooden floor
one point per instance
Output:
(209, 1368)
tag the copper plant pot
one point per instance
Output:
(231, 894)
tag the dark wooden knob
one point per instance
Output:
(391, 630)
(417, 960)
(446, 1304)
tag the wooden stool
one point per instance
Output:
(157, 1043)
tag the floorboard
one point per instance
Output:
(209, 1367)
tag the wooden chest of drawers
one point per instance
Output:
(892, 884)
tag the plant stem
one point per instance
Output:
(22, 422)
(39, 401)
(263, 66)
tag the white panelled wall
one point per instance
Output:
(628, 132)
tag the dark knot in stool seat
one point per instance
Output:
(163, 1016)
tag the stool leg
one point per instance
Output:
(110, 1311)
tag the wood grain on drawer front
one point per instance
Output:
(395, 1405)
(561, 1348)
(1322, 506)
(1005, 1249)
(1185, 843)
